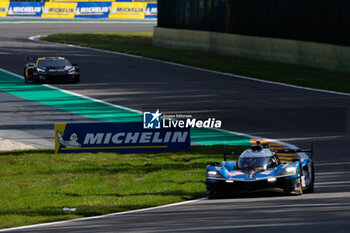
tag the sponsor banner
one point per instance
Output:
(126, 10)
(151, 11)
(92, 9)
(3, 7)
(76, 1)
(32, 9)
(59, 10)
(119, 137)
(121, 9)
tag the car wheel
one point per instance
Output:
(295, 188)
(311, 189)
(25, 76)
(212, 194)
(77, 80)
(29, 77)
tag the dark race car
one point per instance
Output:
(50, 70)
(260, 168)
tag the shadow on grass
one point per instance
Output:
(180, 193)
(82, 210)
(184, 182)
(27, 152)
(98, 209)
(208, 150)
(132, 169)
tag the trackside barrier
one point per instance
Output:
(121, 9)
(126, 137)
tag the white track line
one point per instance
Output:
(137, 111)
(132, 211)
(76, 94)
(129, 109)
(102, 216)
(37, 39)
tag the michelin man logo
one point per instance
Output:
(72, 143)
(151, 120)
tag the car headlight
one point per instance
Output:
(40, 70)
(71, 71)
(211, 174)
(291, 170)
(273, 179)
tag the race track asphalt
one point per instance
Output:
(293, 115)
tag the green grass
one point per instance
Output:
(141, 44)
(36, 185)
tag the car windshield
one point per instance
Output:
(254, 160)
(253, 163)
(56, 63)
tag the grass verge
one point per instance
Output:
(35, 185)
(141, 44)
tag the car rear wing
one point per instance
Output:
(293, 150)
(301, 150)
(266, 145)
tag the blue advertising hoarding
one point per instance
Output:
(120, 9)
(128, 137)
(93, 9)
(151, 11)
(31, 9)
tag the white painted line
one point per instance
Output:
(76, 94)
(36, 38)
(133, 110)
(93, 99)
(102, 216)
(118, 106)
(331, 164)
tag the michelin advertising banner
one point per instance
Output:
(59, 10)
(129, 137)
(136, 10)
(93, 9)
(3, 8)
(28, 9)
(113, 10)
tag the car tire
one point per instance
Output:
(212, 194)
(291, 190)
(77, 80)
(311, 188)
(27, 79)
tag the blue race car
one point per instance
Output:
(260, 168)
